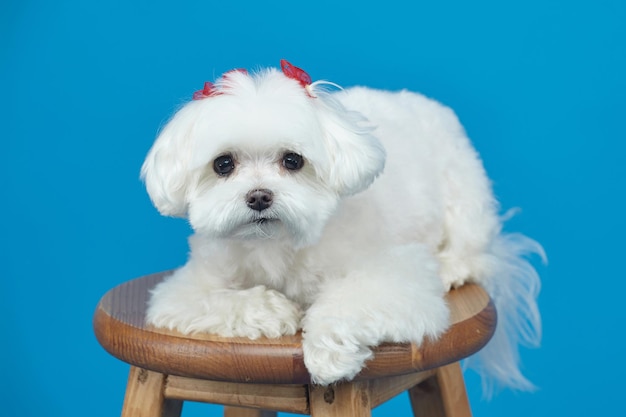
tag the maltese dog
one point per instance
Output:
(346, 215)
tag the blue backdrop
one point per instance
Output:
(538, 84)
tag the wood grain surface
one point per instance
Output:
(119, 325)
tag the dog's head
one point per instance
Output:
(260, 156)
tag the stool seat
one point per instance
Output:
(119, 325)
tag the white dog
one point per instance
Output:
(298, 227)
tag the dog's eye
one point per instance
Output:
(292, 161)
(224, 165)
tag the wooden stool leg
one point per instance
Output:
(144, 396)
(230, 411)
(442, 395)
(350, 399)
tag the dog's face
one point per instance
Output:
(262, 159)
(268, 193)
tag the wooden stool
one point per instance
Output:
(251, 376)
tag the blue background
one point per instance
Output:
(538, 84)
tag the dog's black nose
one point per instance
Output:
(259, 200)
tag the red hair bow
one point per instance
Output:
(210, 90)
(290, 71)
(298, 74)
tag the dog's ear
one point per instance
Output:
(356, 155)
(166, 170)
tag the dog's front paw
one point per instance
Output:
(259, 312)
(333, 354)
(251, 313)
(337, 345)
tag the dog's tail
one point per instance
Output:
(513, 286)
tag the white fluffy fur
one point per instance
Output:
(352, 259)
